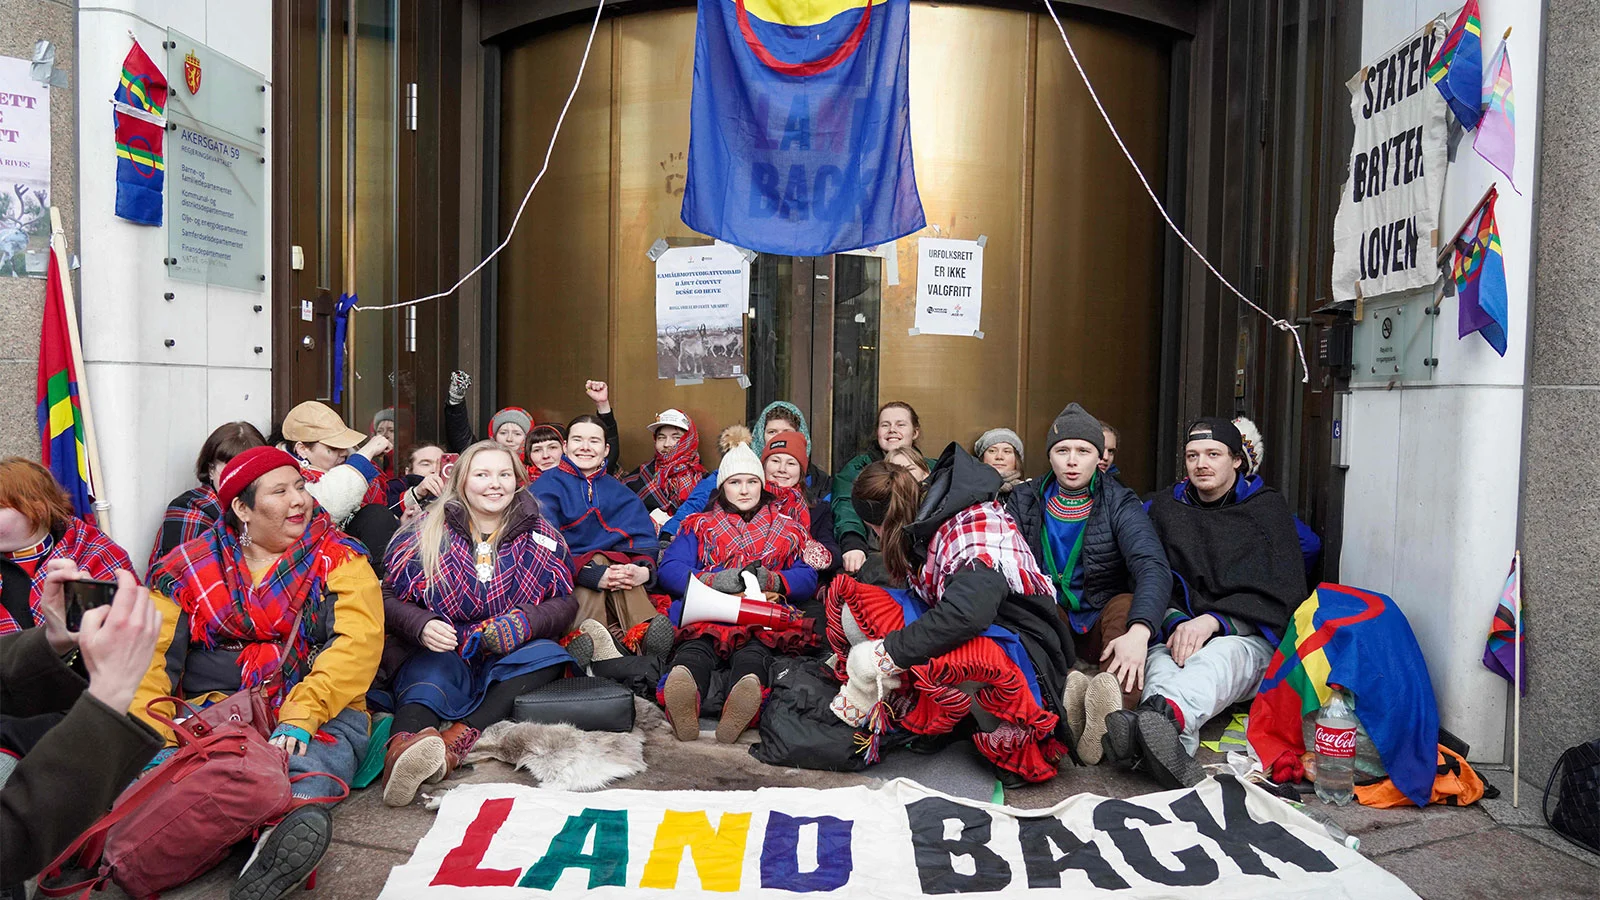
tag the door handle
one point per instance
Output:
(308, 342)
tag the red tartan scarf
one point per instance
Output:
(209, 579)
(791, 501)
(727, 541)
(82, 543)
(982, 533)
(192, 513)
(667, 480)
(531, 565)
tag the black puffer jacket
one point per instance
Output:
(1121, 551)
(977, 596)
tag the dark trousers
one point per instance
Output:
(496, 705)
(699, 656)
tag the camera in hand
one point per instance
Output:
(83, 595)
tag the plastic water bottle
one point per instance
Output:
(1336, 750)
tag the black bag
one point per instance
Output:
(798, 729)
(1576, 816)
(639, 674)
(592, 704)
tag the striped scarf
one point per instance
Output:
(770, 539)
(531, 564)
(667, 480)
(791, 501)
(209, 579)
(983, 533)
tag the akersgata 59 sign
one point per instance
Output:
(1223, 838)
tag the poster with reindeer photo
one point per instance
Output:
(701, 297)
(24, 166)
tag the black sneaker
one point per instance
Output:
(1120, 744)
(286, 855)
(1162, 751)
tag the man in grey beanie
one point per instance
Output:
(1091, 536)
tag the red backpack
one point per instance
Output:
(222, 785)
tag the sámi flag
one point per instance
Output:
(61, 424)
(1457, 69)
(139, 106)
(800, 125)
(1480, 273)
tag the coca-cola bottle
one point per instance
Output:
(1336, 750)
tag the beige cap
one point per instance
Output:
(313, 422)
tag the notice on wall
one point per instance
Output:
(949, 287)
(1386, 233)
(701, 297)
(24, 165)
(215, 227)
(901, 841)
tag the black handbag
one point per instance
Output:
(1576, 815)
(798, 729)
(592, 704)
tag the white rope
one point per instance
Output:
(595, 26)
(1283, 324)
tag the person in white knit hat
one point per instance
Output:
(741, 530)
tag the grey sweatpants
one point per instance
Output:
(340, 757)
(1223, 672)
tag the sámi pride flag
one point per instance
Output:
(61, 424)
(800, 125)
(1360, 641)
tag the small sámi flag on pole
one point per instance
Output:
(1480, 274)
(1457, 67)
(61, 419)
(1497, 133)
(1502, 655)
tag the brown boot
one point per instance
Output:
(743, 705)
(410, 760)
(459, 740)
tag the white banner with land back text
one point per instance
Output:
(1386, 233)
(1222, 838)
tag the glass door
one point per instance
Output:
(814, 343)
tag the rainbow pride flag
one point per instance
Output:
(61, 425)
(1457, 69)
(1482, 302)
(1360, 641)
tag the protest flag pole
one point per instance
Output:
(1516, 691)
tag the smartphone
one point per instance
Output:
(83, 595)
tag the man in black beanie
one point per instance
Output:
(1091, 536)
(1236, 557)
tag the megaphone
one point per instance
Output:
(706, 604)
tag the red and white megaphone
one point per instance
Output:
(706, 604)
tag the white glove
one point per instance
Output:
(459, 382)
(872, 675)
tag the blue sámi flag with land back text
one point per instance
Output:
(800, 127)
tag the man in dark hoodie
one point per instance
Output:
(1233, 547)
(1092, 538)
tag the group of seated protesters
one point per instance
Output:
(1092, 623)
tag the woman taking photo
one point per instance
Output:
(36, 526)
(474, 596)
(195, 510)
(742, 529)
(898, 427)
(274, 598)
(968, 569)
